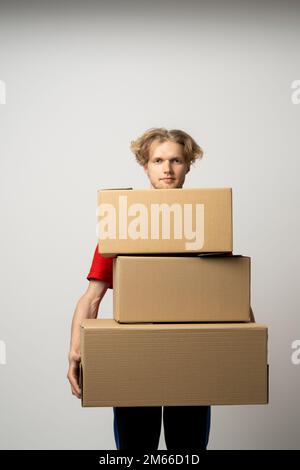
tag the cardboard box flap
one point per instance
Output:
(108, 323)
(215, 253)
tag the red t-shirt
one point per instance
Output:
(101, 269)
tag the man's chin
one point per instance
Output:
(164, 185)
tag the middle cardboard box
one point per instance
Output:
(203, 288)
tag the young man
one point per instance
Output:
(166, 157)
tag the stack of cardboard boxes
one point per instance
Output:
(182, 332)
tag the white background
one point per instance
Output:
(82, 81)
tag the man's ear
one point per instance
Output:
(146, 168)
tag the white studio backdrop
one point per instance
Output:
(78, 82)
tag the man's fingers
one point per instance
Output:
(73, 377)
(76, 391)
(74, 383)
(76, 394)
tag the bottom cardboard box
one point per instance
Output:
(173, 364)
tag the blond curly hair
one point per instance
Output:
(141, 146)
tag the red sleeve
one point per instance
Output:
(101, 268)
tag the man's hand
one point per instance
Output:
(73, 373)
(87, 307)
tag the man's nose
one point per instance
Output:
(167, 166)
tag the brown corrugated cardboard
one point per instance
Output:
(181, 289)
(146, 221)
(173, 364)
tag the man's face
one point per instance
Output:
(166, 167)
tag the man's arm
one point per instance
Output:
(87, 307)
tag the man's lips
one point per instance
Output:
(168, 179)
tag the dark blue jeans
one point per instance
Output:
(185, 427)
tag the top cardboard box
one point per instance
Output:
(141, 221)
